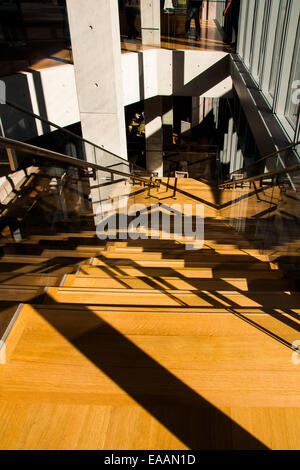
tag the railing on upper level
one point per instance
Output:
(31, 32)
(173, 24)
(174, 14)
(63, 159)
(285, 161)
(271, 175)
(263, 203)
(53, 192)
(81, 148)
(69, 143)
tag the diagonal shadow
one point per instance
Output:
(190, 417)
(210, 204)
(187, 415)
(218, 300)
(206, 80)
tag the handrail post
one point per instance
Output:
(149, 187)
(175, 188)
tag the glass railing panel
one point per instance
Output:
(266, 211)
(285, 251)
(290, 157)
(45, 197)
(32, 31)
(130, 24)
(110, 161)
(285, 158)
(200, 163)
(37, 199)
(183, 24)
(48, 195)
(24, 126)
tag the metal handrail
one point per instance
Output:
(271, 155)
(60, 157)
(205, 148)
(271, 174)
(62, 129)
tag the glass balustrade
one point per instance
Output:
(266, 209)
(33, 34)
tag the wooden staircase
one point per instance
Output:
(145, 345)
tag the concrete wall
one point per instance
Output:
(150, 22)
(52, 92)
(179, 73)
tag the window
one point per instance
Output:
(293, 96)
(280, 29)
(254, 27)
(246, 27)
(264, 35)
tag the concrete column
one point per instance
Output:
(167, 119)
(229, 140)
(150, 22)
(95, 36)
(154, 135)
(11, 154)
(239, 159)
(234, 164)
(223, 153)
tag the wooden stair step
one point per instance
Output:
(219, 238)
(87, 235)
(128, 309)
(53, 267)
(30, 279)
(208, 359)
(22, 259)
(176, 298)
(154, 283)
(202, 255)
(12, 292)
(176, 283)
(84, 254)
(146, 246)
(226, 250)
(7, 311)
(49, 256)
(135, 321)
(42, 247)
(185, 272)
(181, 263)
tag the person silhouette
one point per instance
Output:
(232, 12)
(193, 11)
(131, 12)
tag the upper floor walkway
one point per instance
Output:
(40, 55)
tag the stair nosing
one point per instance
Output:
(11, 325)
